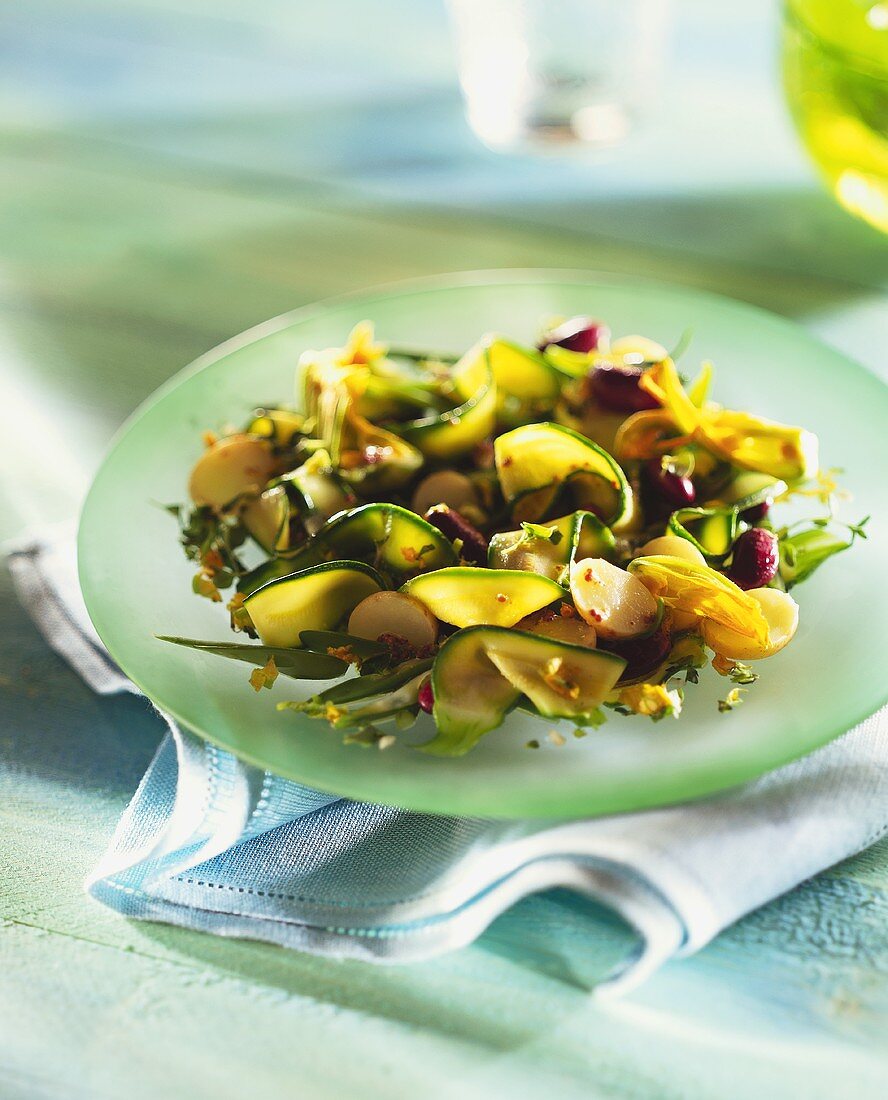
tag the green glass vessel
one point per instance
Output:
(835, 71)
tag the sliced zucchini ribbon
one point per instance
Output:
(481, 672)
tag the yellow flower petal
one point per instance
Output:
(690, 587)
(264, 677)
(651, 700)
(360, 349)
(751, 442)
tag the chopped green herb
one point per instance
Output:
(731, 701)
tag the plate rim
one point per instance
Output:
(522, 276)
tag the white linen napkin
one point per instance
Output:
(214, 844)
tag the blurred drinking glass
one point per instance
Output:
(835, 70)
(550, 73)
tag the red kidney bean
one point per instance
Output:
(616, 388)
(757, 512)
(580, 334)
(453, 525)
(643, 654)
(426, 696)
(674, 488)
(756, 558)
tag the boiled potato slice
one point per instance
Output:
(611, 600)
(674, 547)
(394, 613)
(229, 468)
(444, 487)
(782, 615)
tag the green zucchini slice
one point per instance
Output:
(527, 387)
(481, 672)
(386, 536)
(575, 364)
(522, 373)
(541, 457)
(560, 679)
(471, 372)
(466, 596)
(449, 434)
(312, 491)
(391, 537)
(267, 519)
(315, 491)
(582, 491)
(271, 570)
(280, 426)
(550, 548)
(318, 598)
(593, 539)
(749, 489)
(471, 694)
(374, 458)
(711, 530)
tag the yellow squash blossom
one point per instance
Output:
(697, 589)
(333, 382)
(359, 348)
(748, 441)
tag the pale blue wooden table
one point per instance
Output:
(174, 171)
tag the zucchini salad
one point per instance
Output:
(574, 529)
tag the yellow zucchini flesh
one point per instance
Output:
(467, 596)
(318, 598)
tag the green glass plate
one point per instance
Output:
(137, 583)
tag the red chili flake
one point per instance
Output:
(507, 461)
(596, 615)
(501, 597)
(426, 696)
(587, 576)
(566, 611)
